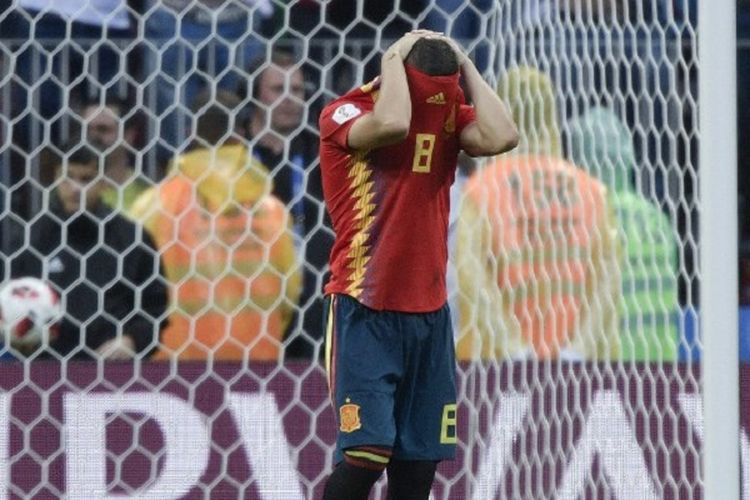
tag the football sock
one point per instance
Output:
(410, 480)
(350, 482)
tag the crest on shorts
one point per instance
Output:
(349, 417)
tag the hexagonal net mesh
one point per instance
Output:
(159, 172)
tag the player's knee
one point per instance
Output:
(374, 458)
(353, 478)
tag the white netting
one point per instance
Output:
(231, 402)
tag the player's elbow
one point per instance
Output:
(502, 142)
(512, 140)
(489, 141)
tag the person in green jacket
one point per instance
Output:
(603, 145)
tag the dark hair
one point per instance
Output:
(433, 57)
(214, 115)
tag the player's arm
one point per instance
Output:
(493, 132)
(389, 121)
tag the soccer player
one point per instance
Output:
(388, 156)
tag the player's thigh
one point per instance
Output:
(426, 399)
(363, 360)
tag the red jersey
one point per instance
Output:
(389, 206)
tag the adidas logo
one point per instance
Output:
(438, 98)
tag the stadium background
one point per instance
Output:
(640, 56)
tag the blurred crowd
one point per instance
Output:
(186, 130)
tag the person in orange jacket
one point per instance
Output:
(227, 245)
(537, 248)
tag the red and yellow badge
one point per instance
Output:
(349, 417)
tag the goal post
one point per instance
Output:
(597, 347)
(719, 287)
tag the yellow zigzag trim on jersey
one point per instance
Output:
(358, 251)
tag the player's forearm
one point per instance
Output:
(494, 122)
(393, 107)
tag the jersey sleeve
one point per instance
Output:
(464, 117)
(336, 120)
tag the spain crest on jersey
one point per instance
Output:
(349, 417)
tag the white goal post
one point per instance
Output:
(718, 124)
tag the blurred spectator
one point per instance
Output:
(105, 267)
(276, 98)
(66, 58)
(536, 252)
(108, 130)
(194, 44)
(633, 56)
(602, 144)
(288, 148)
(227, 245)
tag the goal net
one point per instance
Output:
(187, 364)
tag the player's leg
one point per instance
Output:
(353, 477)
(425, 408)
(363, 362)
(410, 479)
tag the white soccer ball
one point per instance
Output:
(30, 312)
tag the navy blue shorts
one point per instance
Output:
(392, 377)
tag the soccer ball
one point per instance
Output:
(30, 312)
